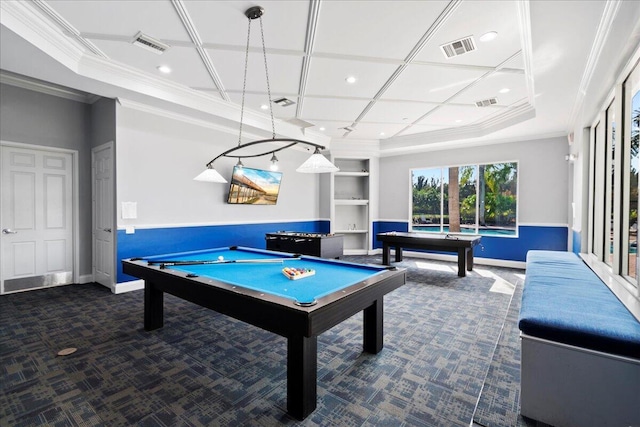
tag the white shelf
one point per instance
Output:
(351, 202)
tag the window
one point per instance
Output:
(479, 199)
(598, 192)
(594, 248)
(610, 184)
(614, 189)
(630, 197)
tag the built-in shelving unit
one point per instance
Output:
(350, 204)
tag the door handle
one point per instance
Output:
(108, 230)
(8, 231)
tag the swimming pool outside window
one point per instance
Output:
(476, 199)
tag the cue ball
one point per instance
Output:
(220, 258)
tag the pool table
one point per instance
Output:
(248, 284)
(460, 244)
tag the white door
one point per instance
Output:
(37, 218)
(103, 230)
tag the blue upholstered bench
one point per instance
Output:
(580, 346)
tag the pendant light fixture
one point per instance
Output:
(317, 163)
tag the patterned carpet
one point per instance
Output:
(499, 401)
(206, 369)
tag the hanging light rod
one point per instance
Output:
(291, 142)
(317, 163)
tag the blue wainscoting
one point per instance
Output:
(157, 241)
(385, 226)
(553, 238)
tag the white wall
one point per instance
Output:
(542, 177)
(158, 157)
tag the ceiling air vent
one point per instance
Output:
(300, 123)
(149, 43)
(487, 102)
(458, 47)
(283, 102)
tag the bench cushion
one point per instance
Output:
(565, 301)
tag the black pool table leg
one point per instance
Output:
(153, 307)
(462, 257)
(302, 372)
(373, 331)
(398, 254)
(385, 253)
(469, 259)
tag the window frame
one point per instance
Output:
(600, 197)
(477, 222)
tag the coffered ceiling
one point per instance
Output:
(406, 90)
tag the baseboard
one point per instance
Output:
(134, 285)
(120, 288)
(84, 279)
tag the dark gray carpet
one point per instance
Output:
(206, 369)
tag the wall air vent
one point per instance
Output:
(458, 47)
(487, 102)
(283, 102)
(149, 43)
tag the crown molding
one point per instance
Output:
(505, 117)
(161, 112)
(38, 24)
(23, 19)
(605, 26)
(67, 28)
(148, 84)
(184, 118)
(449, 145)
(524, 19)
(45, 87)
(500, 121)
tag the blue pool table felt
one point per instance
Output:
(331, 276)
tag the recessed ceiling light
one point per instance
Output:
(322, 129)
(504, 90)
(351, 79)
(264, 107)
(487, 37)
(381, 133)
(164, 69)
(458, 121)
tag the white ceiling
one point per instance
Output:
(407, 92)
